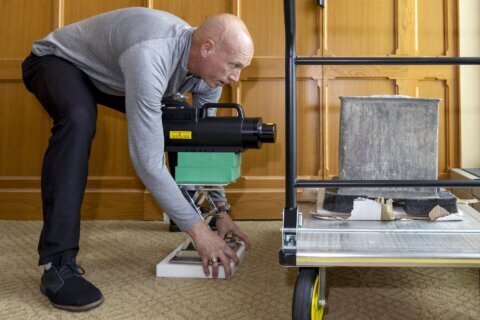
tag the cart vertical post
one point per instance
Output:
(290, 210)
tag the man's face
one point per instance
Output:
(222, 65)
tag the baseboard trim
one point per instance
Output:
(137, 204)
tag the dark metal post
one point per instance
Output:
(290, 218)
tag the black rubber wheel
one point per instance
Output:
(304, 295)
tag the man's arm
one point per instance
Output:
(146, 77)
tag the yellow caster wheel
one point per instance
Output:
(306, 296)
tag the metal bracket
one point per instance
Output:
(290, 240)
(201, 201)
(322, 285)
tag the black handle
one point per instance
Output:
(235, 106)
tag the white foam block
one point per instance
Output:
(366, 209)
(167, 269)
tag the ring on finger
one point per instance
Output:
(213, 260)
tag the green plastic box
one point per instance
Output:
(209, 159)
(207, 167)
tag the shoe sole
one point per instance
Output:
(85, 307)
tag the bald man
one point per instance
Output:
(128, 60)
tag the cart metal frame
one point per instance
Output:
(311, 243)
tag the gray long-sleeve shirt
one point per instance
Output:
(143, 54)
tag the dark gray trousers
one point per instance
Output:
(70, 98)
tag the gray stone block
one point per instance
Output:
(388, 138)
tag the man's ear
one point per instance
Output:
(208, 47)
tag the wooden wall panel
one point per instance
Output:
(24, 128)
(21, 24)
(265, 99)
(439, 89)
(420, 28)
(265, 26)
(109, 165)
(26, 204)
(342, 28)
(113, 191)
(193, 11)
(433, 37)
(309, 155)
(359, 28)
(257, 204)
(74, 10)
(260, 192)
(406, 32)
(419, 81)
(24, 131)
(264, 19)
(109, 156)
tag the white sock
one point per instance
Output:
(48, 266)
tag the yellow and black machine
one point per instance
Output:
(204, 154)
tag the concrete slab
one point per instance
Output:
(389, 138)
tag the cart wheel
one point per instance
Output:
(305, 296)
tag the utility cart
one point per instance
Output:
(312, 244)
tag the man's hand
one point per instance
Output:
(213, 249)
(225, 225)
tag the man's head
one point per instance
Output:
(221, 48)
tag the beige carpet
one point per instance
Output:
(120, 257)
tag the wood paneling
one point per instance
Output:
(406, 33)
(342, 28)
(264, 19)
(108, 204)
(105, 204)
(440, 89)
(24, 131)
(266, 27)
(433, 26)
(359, 28)
(414, 28)
(194, 11)
(257, 204)
(113, 189)
(74, 10)
(309, 155)
(110, 155)
(21, 24)
(265, 99)
(417, 81)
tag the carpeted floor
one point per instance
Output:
(120, 258)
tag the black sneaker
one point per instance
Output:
(68, 290)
